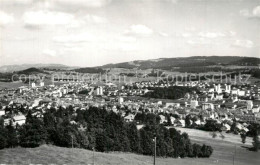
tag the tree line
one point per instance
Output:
(173, 92)
(99, 129)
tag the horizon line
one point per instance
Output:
(125, 61)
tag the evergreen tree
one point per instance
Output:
(256, 143)
(255, 133)
(3, 132)
(32, 133)
(187, 121)
(134, 138)
(196, 150)
(100, 142)
(12, 139)
(66, 135)
(243, 137)
(206, 151)
(3, 142)
(50, 125)
(146, 143)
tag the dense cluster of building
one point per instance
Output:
(220, 102)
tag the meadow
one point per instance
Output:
(227, 151)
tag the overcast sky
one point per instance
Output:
(96, 32)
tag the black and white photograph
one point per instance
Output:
(129, 82)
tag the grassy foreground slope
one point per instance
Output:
(222, 155)
(225, 149)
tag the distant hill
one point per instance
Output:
(31, 71)
(195, 61)
(182, 63)
(247, 61)
(12, 68)
(89, 70)
(8, 76)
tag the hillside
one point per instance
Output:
(223, 154)
(195, 61)
(199, 63)
(31, 71)
(250, 61)
(8, 76)
(89, 70)
(12, 68)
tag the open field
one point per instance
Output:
(224, 150)
(10, 85)
(199, 135)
